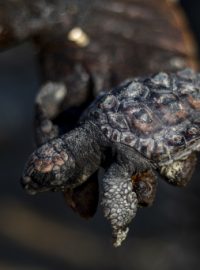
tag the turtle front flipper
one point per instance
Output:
(84, 198)
(179, 172)
(119, 201)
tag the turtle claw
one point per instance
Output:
(119, 236)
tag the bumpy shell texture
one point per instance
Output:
(159, 116)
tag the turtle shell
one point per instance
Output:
(159, 116)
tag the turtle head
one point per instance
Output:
(63, 162)
(49, 168)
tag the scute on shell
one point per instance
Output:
(156, 115)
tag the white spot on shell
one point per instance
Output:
(161, 79)
(128, 138)
(134, 89)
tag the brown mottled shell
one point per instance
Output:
(159, 116)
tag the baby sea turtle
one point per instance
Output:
(144, 127)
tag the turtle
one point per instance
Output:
(145, 128)
(79, 69)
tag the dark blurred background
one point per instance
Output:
(40, 232)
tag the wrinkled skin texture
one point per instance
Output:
(147, 125)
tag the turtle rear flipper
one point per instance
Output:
(84, 198)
